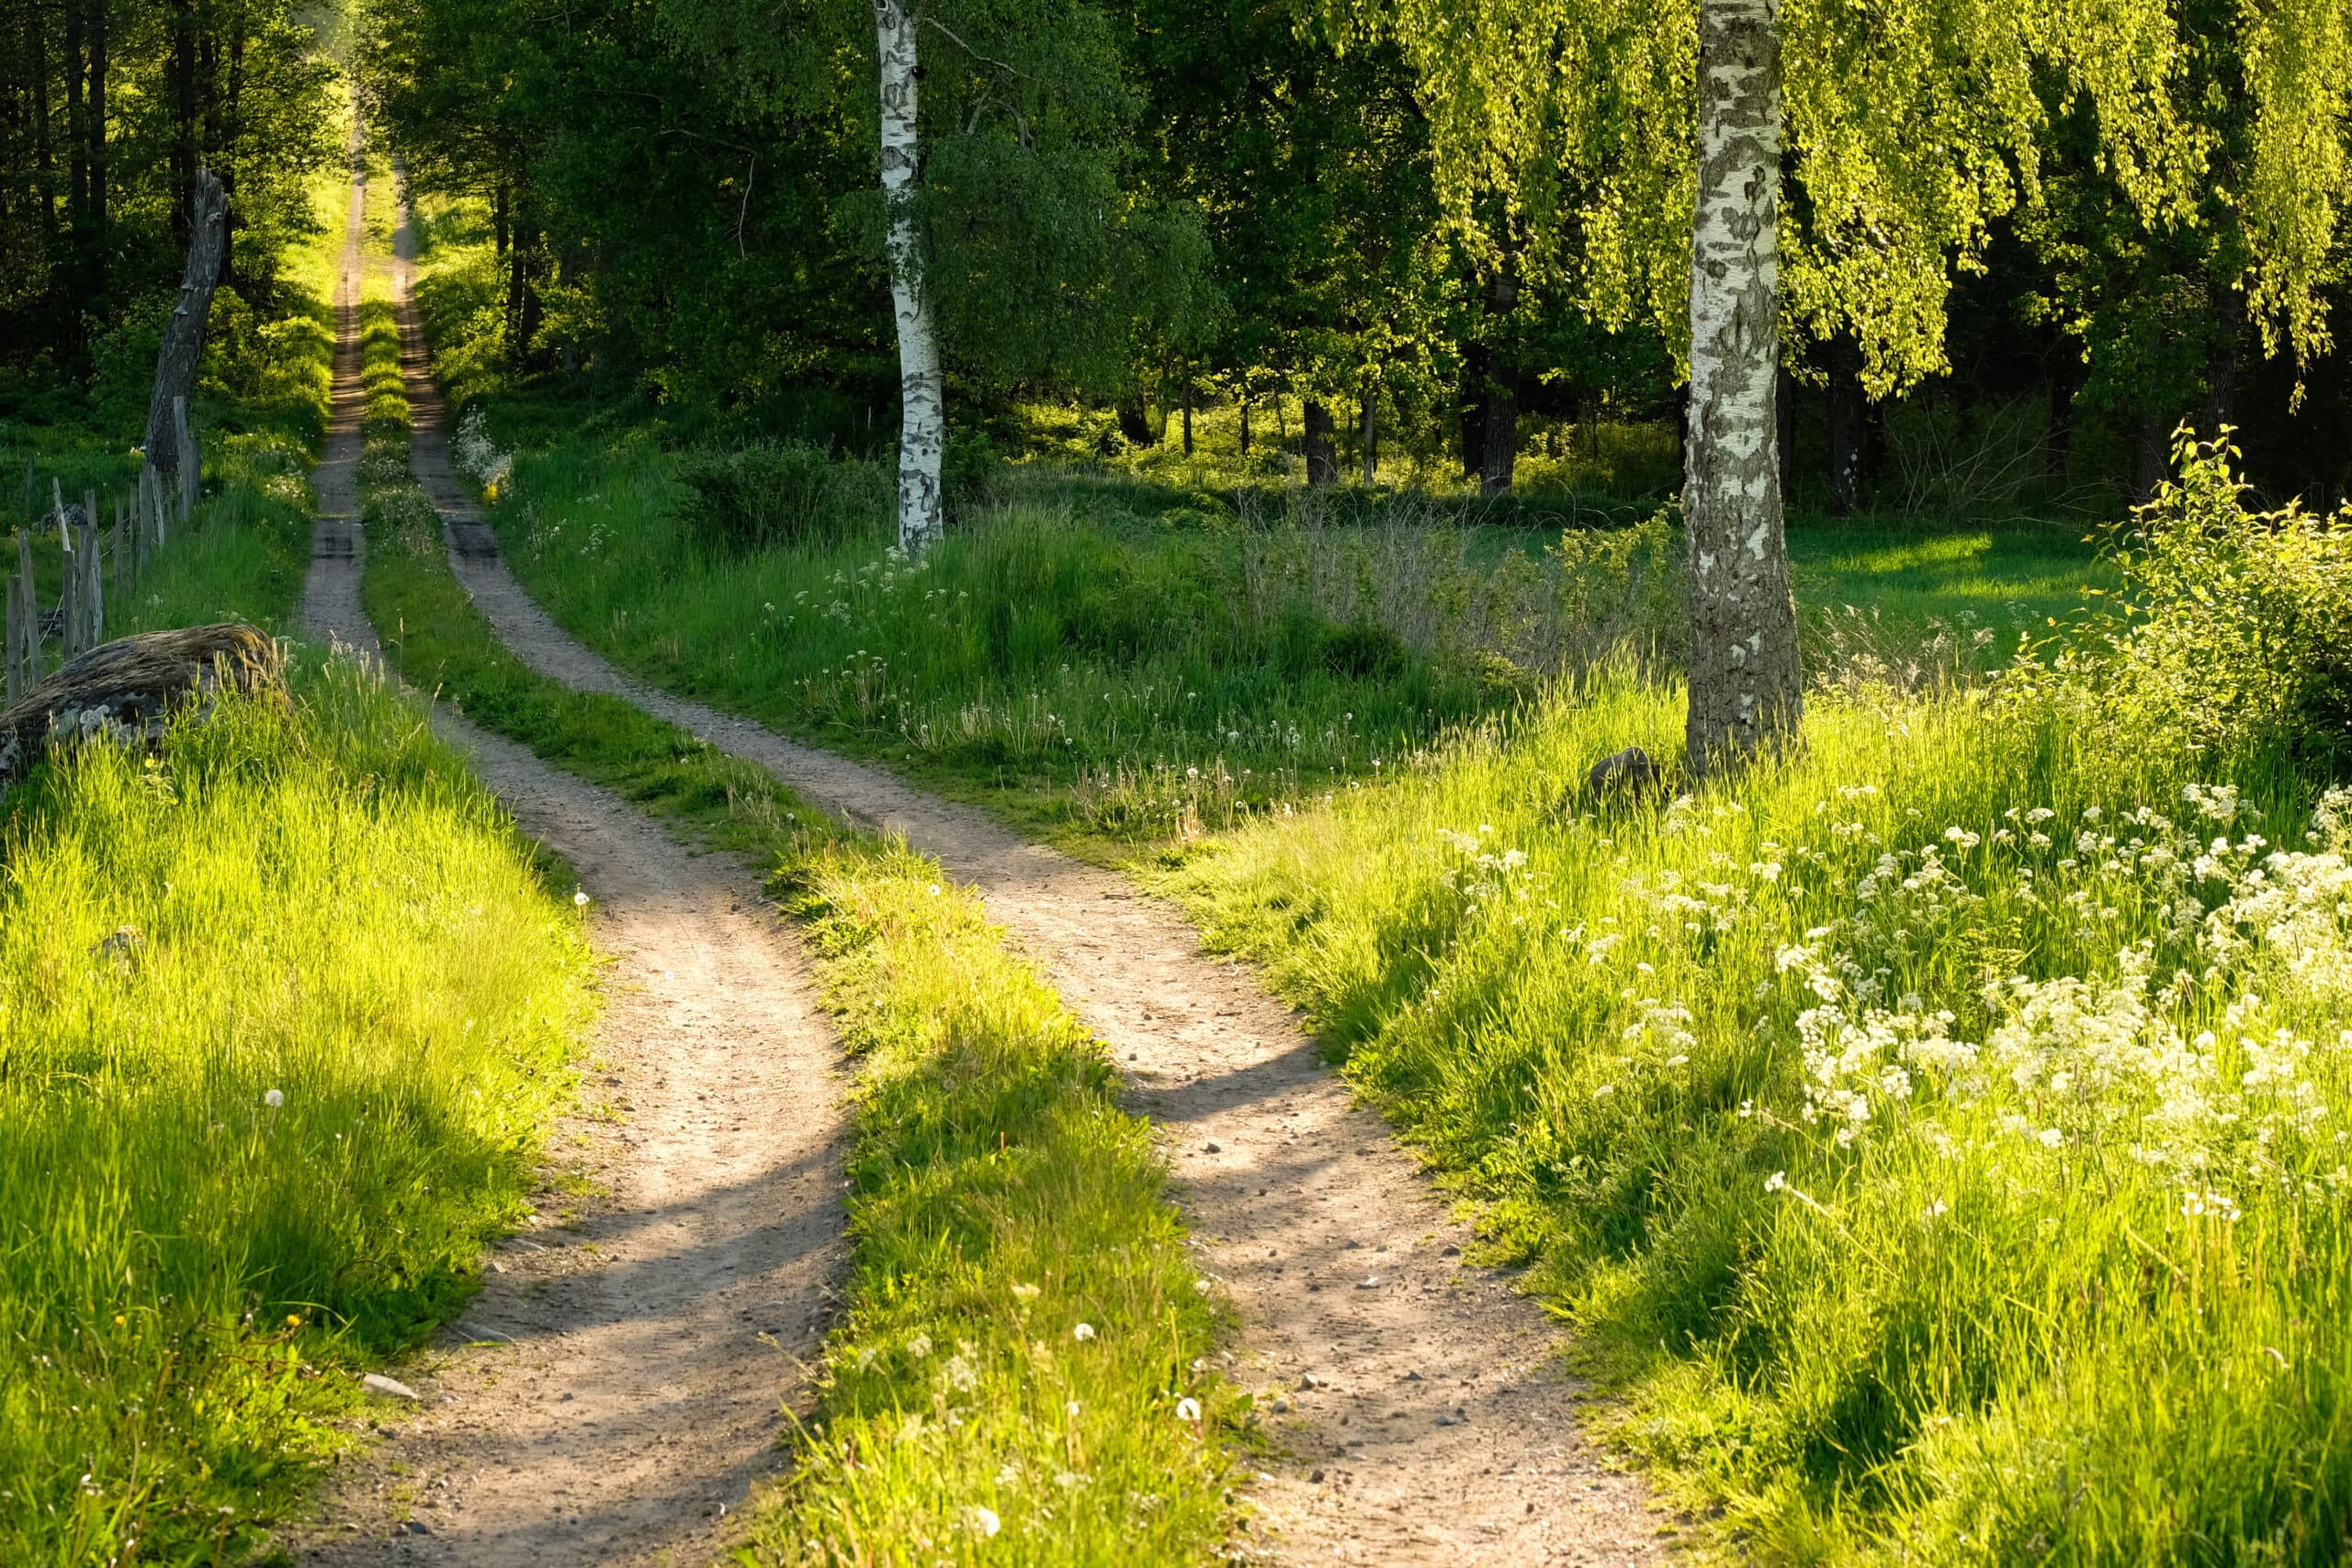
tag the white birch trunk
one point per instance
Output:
(922, 438)
(1746, 686)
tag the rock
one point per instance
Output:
(1314, 1475)
(471, 1333)
(1627, 776)
(415, 1527)
(1371, 1284)
(125, 690)
(122, 943)
(390, 1388)
(1211, 1148)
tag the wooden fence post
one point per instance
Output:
(188, 462)
(27, 651)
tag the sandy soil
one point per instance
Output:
(652, 1338)
(1425, 1415)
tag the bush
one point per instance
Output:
(778, 492)
(2238, 623)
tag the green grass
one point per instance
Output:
(1127, 678)
(1023, 1319)
(1878, 1149)
(320, 906)
(998, 1196)
(1111, 662)
(2068, 1288)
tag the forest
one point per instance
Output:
(1093, 781)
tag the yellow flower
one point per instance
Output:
(293, 1320)
(120, 1320)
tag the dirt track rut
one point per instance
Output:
(654, 1341)
(1426, 1418)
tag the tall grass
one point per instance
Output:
(281, 1011)
(1131, 678)
(1938, 1133)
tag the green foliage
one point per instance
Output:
(2238, 627)
(91, 249)
(773, 493)
(287, 1006)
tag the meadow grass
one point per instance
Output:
(1000, 1198)
(1936, 1132)
(1110, 665)
(1027, 1353)
(285, 1007)
(1125, 679)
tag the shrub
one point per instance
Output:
(778, 492)
(2238, 623)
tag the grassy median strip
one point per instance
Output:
(1026, 1346)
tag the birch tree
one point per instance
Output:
(922, 433)
(1747, 683)
(1643, 147)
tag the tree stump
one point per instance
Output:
(126, 691)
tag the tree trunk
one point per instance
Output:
(44, 165)
(1498, 415)
(1371, 438)
(1322, 460)
(1473, 410)
(1498, 428)
(77, 142)
(1849, 426)
(97, 118)
(2227, 312)
(1188, 419)
(922, 392)
(2065, 380)
(182, 343)
(1245, 427)
(1785, 408)
(1746, 686)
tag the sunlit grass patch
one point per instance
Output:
(1937, 1132)
(281, 1013)
(1024, 1358)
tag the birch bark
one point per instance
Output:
(1746, 686)
(923, 437)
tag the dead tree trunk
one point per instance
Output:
(183, 344)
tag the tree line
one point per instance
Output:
(107, 110)
(1423, 218)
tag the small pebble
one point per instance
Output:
(1211, 1148)
(1314, 1475)
(390, 1388)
